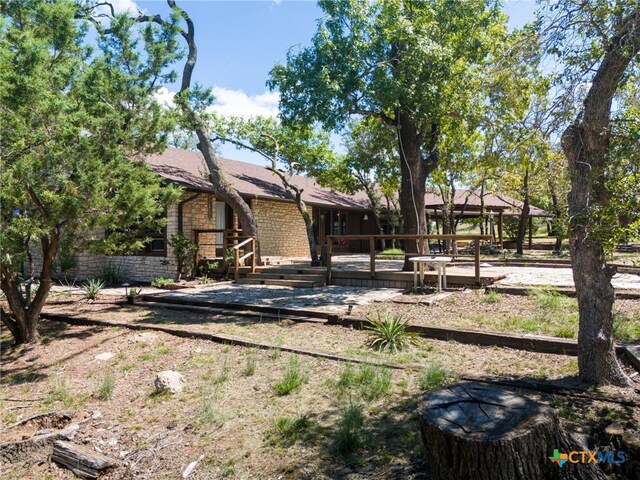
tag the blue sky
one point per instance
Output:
(240, 41)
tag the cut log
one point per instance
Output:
(483, 432)
(81, 460)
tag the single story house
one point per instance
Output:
(281, 229)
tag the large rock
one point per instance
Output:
(169, 381)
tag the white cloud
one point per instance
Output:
(236, 102)
(232, 102)
(165, 97)
(121, 6)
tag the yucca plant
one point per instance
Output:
(390, 333)
(92, 288)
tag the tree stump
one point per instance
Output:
(483, 432)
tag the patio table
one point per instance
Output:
(441, 266)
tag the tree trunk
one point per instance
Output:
(524, 215)
(415, 168)
(23, 319)
(475, 431)
(482, 230)
(308, 222)
(586, 145)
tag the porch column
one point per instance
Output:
(500, 220)
(530, 232)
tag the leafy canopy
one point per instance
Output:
(76, 118)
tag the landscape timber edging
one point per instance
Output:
(531, 343)
(567, 291)
(222, 339)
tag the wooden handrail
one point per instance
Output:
(237, 258)
(421, 239)
(242, 244)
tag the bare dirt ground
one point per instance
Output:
(230, 416)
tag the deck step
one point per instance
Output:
(278, 282)
(276, 261)
(314, 277)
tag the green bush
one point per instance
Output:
(350, 434)
(293, 378)
(184, 251)
(392, 251)
(434, 376)
(390, 333)
(92, 288)
(286, 431)
(161, 282)
(110, 274)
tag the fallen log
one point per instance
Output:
(81, 460)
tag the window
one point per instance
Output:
(157, 246)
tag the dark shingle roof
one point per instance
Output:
(188, 169)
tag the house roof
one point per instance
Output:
(188, 169)
(493, 202)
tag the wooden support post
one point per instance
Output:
(329, 252)
(253, 256)
(530, 232)
(477, 260)
(500, 223)
(236, 274)
(372, 253)
(421, 245)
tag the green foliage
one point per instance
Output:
(250, 365)
(110, 274)
(491, 296)
(106, 387)
(349, 436)
(434, 376)
(92, 288)
(133, 291)
(287, 431)
(370, 381)
(390, 333)
(184, 251)
(210, 415)
(626, 327)
(392, 251)
(73, 119)
(161, 282)
(293, 378)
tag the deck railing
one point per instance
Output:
(237, 259)
(421, 239)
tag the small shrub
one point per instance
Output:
(250, 365)
(350, 434)
(133, 291)
(286, 431)
(110, 274)
(210, 414)
(390, 334)
(184, 251)
(223, 373)
(626, 328)
(92, 288)
(491, 297)
(392, 251)
(106, 388)
(161, 282)
(374, 381)
(347, 377)
(293, 378)
(434, 376)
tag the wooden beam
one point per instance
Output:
(372, 256)
(477, 261)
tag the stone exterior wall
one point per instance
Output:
(281, 229)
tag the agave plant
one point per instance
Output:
(390, 333)
(92, 288)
